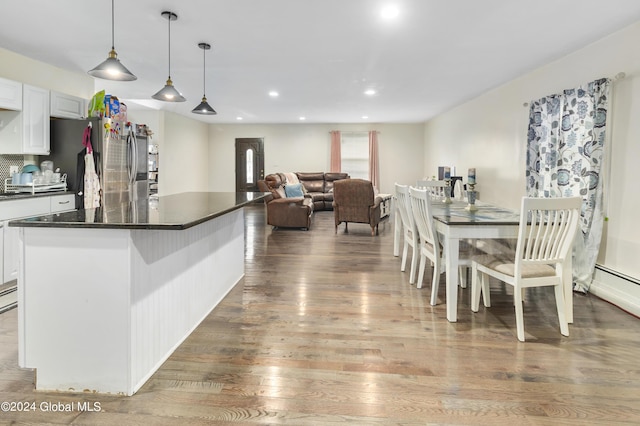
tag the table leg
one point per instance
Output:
(451, 247)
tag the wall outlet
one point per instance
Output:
(14, 169)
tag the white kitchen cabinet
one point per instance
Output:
(10, 257)
(62, 203)
(10, 94)
(35, 120)
(67, 106)
(27, 131)
(20, 208)
(2, 251)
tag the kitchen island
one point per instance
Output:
(106, 295)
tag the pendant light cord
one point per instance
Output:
(204, 72)
(113, 43)
(169, 19)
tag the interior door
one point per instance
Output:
(249, 163)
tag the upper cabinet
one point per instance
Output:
(67, 106)
(26, 131)
(35, 120)
(10, 94)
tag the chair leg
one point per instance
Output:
(346, 227)
(560, 306)
(486, 292)
(435, 285)
(414, 265)
(517, 301)
(462, 276)
(405, 250)
(475, 289)
(423, 263)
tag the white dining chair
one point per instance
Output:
(409, 231)
(435, 188)
(546, 233)
(429, 242)
(428, 239)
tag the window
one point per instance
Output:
(354, 150)
(249, 166)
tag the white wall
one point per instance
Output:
(489, 133)
(20, 68)
(183, 157)
(306, 148)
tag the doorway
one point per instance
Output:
(249, 163)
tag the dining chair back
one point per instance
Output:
(409, 230)
(435, 188)
(546, 233)
(428, 238)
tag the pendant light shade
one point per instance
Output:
(204, 107)
(169, 93)
(111, 68)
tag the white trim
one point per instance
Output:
(616, 289)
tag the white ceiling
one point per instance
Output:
(320, 55)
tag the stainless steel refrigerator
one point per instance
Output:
(121, 158)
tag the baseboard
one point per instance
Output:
(616, 288)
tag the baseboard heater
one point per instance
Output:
(618, 274)
(617, 288)
(7, 299)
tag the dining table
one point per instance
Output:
(455, 222)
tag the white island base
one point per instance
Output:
(101, 309)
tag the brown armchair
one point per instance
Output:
(354, 201)
(285, 212)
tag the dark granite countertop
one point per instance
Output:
(6, 196)
(178, 211)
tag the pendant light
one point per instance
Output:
(204, 107)
(111, 68)
(169, 93)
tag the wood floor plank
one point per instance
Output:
(325, 329)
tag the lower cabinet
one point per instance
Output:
(2, 251)
(17, 209)
(10, 254)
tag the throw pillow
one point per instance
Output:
(280, 191)
(293, 190)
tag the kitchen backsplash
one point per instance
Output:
(6, 161)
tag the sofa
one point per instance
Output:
(319, 186)
(294, 210)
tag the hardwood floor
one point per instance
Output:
(325, 329)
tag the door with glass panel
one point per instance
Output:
(249, 164)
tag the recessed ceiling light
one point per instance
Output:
(364, 117)
(370, 92)
(239, 118)
(274, 94)
(390, 11)
(303, 118)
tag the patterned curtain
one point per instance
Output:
(565, 149)
(374, 163)
(336, 156)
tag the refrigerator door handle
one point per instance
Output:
(131, 157)
(134, 162)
